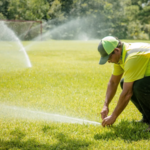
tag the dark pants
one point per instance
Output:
(141, 96)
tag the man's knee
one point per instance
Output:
(121, 82)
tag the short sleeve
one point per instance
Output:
(117, 70)
(135, 67)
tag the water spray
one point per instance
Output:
(18, 112)
(12, 51)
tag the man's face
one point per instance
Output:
(115, 56)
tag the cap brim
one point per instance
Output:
(103, 60)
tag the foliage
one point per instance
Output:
(27, 9)
(100, 17)
(144, 15)
(4, 5)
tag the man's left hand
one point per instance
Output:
(108, 121)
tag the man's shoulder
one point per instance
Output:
(137, 50)
(130, 46)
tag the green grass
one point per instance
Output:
(65, 78)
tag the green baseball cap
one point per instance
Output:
(106, 47)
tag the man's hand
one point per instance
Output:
(108, 121)
(104, 112)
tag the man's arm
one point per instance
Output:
(111, 90)
(122, 103)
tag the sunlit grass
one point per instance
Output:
(65, 79)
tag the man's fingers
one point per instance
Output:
(108, 121)
(103, 115)
(104, 123)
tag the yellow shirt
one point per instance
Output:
(134, 63)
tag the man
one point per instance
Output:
(132, 61)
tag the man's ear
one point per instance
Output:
(117, 49)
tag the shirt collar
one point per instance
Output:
(122, 52)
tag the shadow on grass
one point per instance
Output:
(18, 141)
(128, 131)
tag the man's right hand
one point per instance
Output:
(104, 112)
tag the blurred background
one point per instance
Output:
(77, 19)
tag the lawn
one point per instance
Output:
(65, 79)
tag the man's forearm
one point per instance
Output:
(111, 90)
(122, 103)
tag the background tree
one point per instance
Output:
(4, 8)
(96, 18)
(144, 17)
(28, 9)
